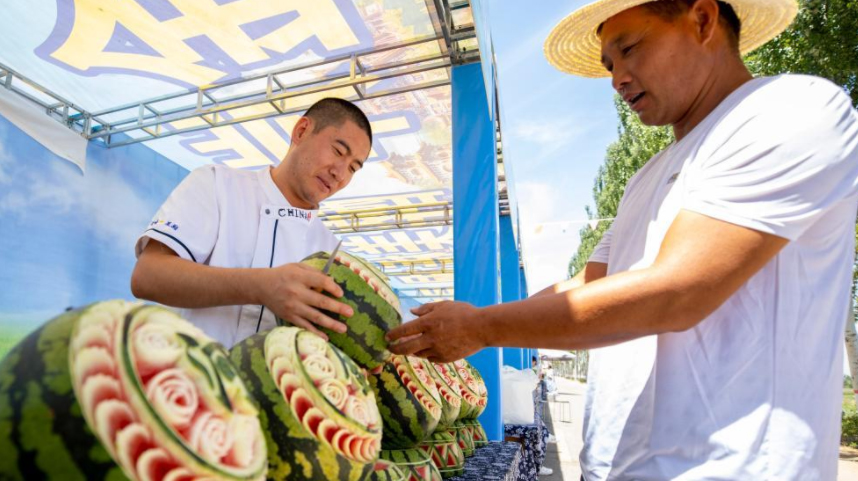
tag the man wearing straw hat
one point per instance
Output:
(717, 299)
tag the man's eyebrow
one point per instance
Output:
(617, 41)
(345, 145)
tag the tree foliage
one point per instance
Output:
(823, 41)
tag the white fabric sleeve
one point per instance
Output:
(602, 251)
(188, 220)
(778, 160)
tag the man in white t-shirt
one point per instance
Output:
(717, 300)
(226, 244)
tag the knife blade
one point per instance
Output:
(330, 262)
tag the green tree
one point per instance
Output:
(822, 40)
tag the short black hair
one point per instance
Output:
(670, 9)
(331, 111)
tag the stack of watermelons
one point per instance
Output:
(121, 391)
(117, 390)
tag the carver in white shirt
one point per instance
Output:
(717, 301)
(225, 245)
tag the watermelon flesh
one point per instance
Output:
(408, 400)
(376, 308)
(122, 390)
(318, 413)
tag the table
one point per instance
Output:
(498, 461)
(534, 438)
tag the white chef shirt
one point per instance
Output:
(753, 391)
(225, 217)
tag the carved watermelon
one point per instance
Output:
(376, 308)
(415, 463)
(444, 451)
(384, 470)
(121, 391)
(317, 410)
(408, 401)
(470, 400)
(451, 400)
(470, 377)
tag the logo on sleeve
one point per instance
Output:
(673, 178)
(163, 222)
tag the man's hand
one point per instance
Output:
(293, 292)
(444, 331)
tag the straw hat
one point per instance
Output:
(573, 46)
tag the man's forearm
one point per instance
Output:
(172, 281)
(604, 312)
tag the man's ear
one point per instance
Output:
(704, 14)
(303, 127)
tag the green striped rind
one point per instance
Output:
(415, 463)
(465, 436)
(407, 421)
(479, 434)
(444, 451)
(373, 315)
(386, 471)
(43, 434)
(293, 452)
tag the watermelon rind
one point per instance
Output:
(408, 401)
(376, 308)
(414, 462)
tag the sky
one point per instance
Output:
(556, 128)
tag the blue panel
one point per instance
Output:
(510, 277)
(66, 238)
(510, 284)
(476, 242)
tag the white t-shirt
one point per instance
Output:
(224, 217)
(752, 392)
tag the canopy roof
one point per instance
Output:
(224, 81)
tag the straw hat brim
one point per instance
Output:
(573, 46)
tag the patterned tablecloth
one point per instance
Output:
(534, 438)
(499, 461)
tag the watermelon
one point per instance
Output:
(376, 308)
(470, 400)
(475, 429)
(317, 411)
(471, 381)
(414, 462)
(384, 470)
(446, 454)
(451, 400)
(117, 390)
(408, 401)
(471, 378)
